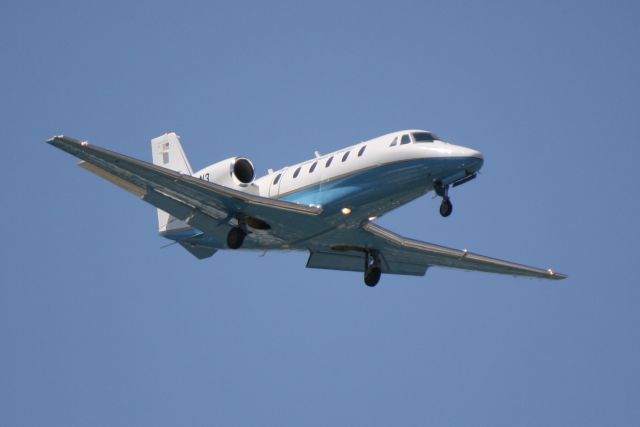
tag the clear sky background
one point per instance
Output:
(99, 326)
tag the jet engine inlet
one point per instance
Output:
(243, 170)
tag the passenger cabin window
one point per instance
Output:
(424, 137)
(361, 150)
(326, 165)
(344, 158)
(297, 172)
(406, 139)
(313, 167)
(394, 142)
(275, 181)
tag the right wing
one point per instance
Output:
(204, 205)
(345, 249)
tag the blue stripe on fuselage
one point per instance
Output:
(364, 187)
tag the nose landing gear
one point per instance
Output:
(446, 207)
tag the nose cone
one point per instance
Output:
(475, 162)
(476, 154)
(473, 159)
(469, 152)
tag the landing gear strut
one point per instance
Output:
(235, 238)
(372, 270)
(445, 207)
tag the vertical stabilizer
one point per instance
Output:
(167, 152)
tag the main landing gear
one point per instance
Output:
(236, 235)
(372, 270)
(445, 207)
(235, 238)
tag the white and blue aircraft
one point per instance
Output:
(326, 206)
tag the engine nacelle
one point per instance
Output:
(235, 172)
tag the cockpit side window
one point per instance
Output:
(424, 137)
(406, 139)
(394, 142)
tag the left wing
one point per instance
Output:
(204, 205)
(345, 250)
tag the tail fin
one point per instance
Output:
(167, 152)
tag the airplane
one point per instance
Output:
(326, 205)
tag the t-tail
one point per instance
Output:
(167, 152)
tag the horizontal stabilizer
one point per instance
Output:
(199, 251)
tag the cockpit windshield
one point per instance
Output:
(425, 137)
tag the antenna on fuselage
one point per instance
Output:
(317, 154)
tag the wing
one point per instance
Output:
(202, 204)
(345, 249)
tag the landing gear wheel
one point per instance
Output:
(372, 276)
(446, 207)
(235, 238)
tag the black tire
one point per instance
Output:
(235, 238)
(372, 276)
(446, 207)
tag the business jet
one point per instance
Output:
(326, 206)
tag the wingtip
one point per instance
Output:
(61, 140)
(53, 139)
(556, 276)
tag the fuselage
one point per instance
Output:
(357, 184)
(374, 176)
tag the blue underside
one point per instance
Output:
(396, 181)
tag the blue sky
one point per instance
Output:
(101, 327)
